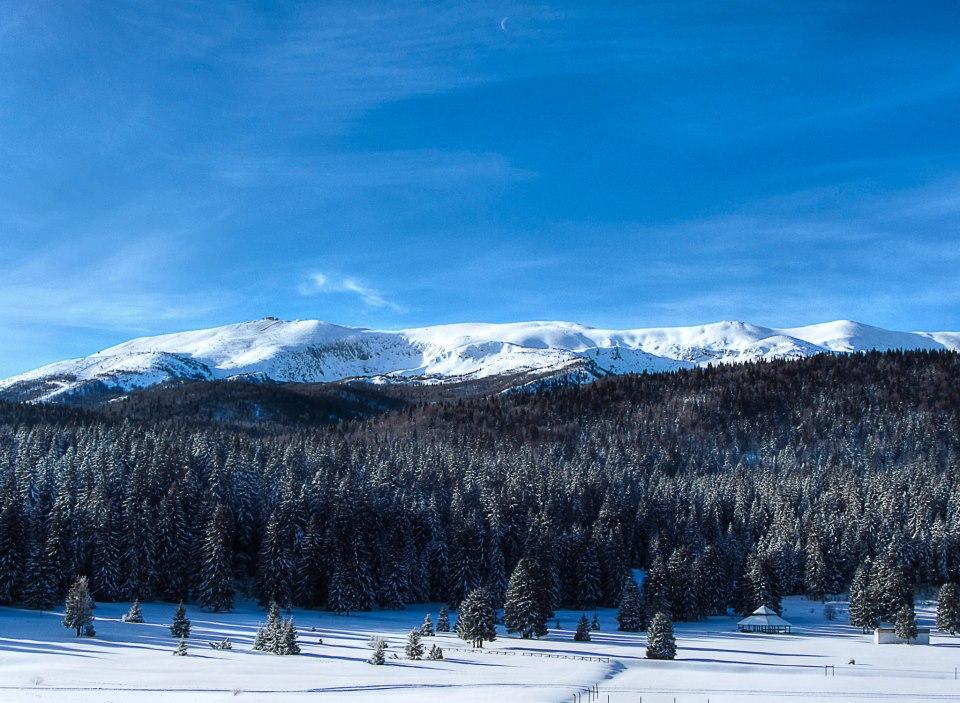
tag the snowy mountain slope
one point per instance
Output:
(313, 351)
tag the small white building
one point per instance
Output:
(887, 635)
(764, 619)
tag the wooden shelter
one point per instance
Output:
(766, 620)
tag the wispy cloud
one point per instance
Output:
(321, 283)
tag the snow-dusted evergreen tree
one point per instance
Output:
(583, 629)
(475, 622)
(275, 567)
(948, 608)
(443, 620)
(180, 627)
(589, 587)
(269, 636)
(660, 640)
(815, 571)
(890, 585)
(181, 650)
(684, 595)
(630, 614)
(595, 622)
(523, 610)
(712, 583)
(11, 544)
(215, 589)
(426, 628)
(863, 607)
(414, 648)
(134, 614)
(435, 653)
(378, 657)
(656, 589)
(760, 582)
(905, 624)
(78, 610)
(285, 643)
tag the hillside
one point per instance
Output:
(309, 351)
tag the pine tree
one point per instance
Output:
(286, 642)
(583, 629)
(660, 641)
(134, 614)
(905, 625)
(815, 572)
(215, 590)
(863, 608)
(595, 623)
(523, 609)
(443, 620)
(948, 609)
(78, 610)
(630, 614)
(588, 584)
(181, 650)
(890, 585)
(475, 623)
(656, 590)
(269, 636)
(414, 648)
(181, 625)
(426, 629)
(378, 658)
(275, 567)
(435, 653)
(682, 588)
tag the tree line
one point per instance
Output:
(732, 486)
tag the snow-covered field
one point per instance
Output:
(40, 660)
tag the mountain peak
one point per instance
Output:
(314, 351)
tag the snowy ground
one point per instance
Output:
(41, 661)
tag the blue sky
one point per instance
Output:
(173, 165)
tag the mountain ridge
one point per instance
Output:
(312, 351)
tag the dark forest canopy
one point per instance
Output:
(731, 484)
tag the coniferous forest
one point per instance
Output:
(732, 486)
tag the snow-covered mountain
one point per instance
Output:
(310, 351)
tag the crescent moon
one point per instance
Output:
(503, 24)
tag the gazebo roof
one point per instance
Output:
(765, 617)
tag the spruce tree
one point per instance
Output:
(378, 658)
(684, 598)
(595, 622)
(475, 623)
(443, 620)
(180, 627)
(656, 590)
(948, 609)
(426, 628)
(523, 609)
(905, 625)
(286, 641)
(863, 607)
(181, 650)
(660, 641)
(215, 590)
(435, 653)
(630, 614)
(583, 629)
(78, 610)
(134, 615)
(414, 648)
(269, 636)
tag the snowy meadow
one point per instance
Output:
(40, 660)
